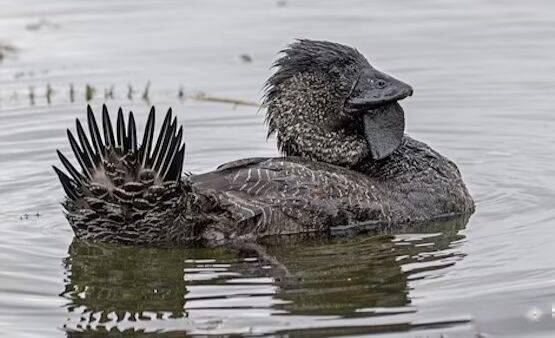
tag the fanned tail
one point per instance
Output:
(120, 185)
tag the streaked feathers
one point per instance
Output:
(119, 187)
(166, 160)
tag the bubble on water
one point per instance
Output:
(534, 314)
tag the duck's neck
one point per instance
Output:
(312, 123)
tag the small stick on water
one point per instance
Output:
(71, 93)
(32, 95)
(49, 93)
(89, 92)
(204, 97)
(129, 92)
(181, 93)
(109, 92)
(145, 92)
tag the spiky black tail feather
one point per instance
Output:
(165, 162)
(121, 184)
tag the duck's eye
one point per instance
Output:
(381, 83)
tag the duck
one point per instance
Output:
(346, 164)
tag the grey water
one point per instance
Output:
(484, 79)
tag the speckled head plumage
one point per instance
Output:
(308, 56)
(318, 98)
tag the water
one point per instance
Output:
(483, 78)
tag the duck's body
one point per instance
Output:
(351, 164)
(275, 196)
(258, 197)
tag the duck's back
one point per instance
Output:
(269, 196)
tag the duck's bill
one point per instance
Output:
(384, 128)
(375, 95)
(374, 89)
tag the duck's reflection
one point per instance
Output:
(115, 288)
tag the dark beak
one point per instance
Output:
(374, 89)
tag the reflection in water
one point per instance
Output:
(117, 288)
(107, 283)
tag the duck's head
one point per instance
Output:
(325, 98)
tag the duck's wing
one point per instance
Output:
(241, 163)
(289, 195)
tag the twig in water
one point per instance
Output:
(145, 92)
(89, 92)
(5, 50)
(181, 93)
(204, 97)
(129, 92)
(49, 93)
(32, 95)
(246, 58)
(109, 92)
(71, 93)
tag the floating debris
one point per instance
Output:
(71, 93)
(246, 58)
(42, 23)
(26, 216)
(181, 93)
(32, 95)
(6, 49)
(146, 92)
(89, 92)
(109, 92)
(204, 97)
(129, 92)
(49, 93)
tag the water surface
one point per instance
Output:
(483, 78)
